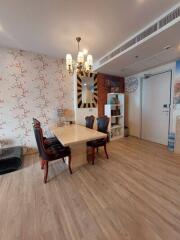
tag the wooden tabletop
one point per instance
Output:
(75, 133)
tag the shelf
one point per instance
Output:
(117, 116)
(117, 105)
(116, 126)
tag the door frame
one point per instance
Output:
(170, 102)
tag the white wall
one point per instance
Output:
(81, 113)
(133, 101)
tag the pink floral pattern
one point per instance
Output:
(32, 85)
(2, 121)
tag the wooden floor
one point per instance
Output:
(133, 195)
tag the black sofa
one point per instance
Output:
(10, 159)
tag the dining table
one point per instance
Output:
(76, 136)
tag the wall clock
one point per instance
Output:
(131, 84)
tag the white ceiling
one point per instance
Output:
(50, 26)
(150, 54)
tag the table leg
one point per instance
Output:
(78, 155)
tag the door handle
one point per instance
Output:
(165, 106)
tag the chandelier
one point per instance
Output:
(80, 66)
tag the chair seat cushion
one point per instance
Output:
(97, 142)
(51, 141)
(10, 159)
(58, 151)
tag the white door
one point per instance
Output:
(155, 107)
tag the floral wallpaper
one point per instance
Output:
(31, 85)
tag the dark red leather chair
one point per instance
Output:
(51, 153)
(90, 121)
(48, 142)
(102, 126)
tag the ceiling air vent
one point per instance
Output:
(131, 42)
(147, 32)
(144, 34)
(170, 17)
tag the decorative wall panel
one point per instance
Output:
(87, 91)
(31, 85)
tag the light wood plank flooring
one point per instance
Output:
(135, 195)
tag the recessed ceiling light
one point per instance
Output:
(167, 47)
(85, 51)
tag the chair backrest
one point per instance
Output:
(102, 124)
(40, 143)
(89, 121)
(36, 122)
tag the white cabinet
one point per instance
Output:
(115, 111)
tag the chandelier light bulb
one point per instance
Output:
(68, 61)
(90, 60)
(80, 57)
(85, 51)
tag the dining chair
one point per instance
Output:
(89, 121)
(48, 142)
(102, 126)
(51, 153)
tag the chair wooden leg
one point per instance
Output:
(42, 163)
(106, 151)
(63, 160)
(45, 171)
(97, 149)
(93, 155)
(69, 164)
